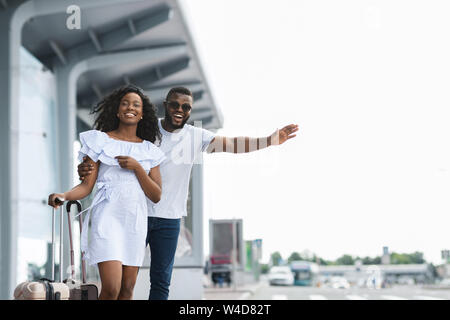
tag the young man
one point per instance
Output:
(182, 143)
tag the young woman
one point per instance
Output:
(125, 166)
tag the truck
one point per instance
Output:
(221, 269)
(225, 240)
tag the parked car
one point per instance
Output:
(405, 280)
(281, 275)
(339, 283)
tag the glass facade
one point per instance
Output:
(38, 163)
(37, 167)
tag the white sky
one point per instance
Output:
(368, 84)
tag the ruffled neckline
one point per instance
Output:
(98, 145)
(107, 135)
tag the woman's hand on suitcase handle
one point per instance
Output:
(56, 199)
(126, 162)
(84, 169)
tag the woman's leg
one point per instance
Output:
(129, 275)
(111, 277)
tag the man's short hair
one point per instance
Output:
(179, 90)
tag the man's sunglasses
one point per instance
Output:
(175, 105)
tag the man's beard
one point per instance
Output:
(168, 120)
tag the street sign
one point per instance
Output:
(445, 254)
(258, 245)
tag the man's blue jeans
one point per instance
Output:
(162, 236)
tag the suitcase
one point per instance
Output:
(83, 290)
(46, 289)
(43, 289)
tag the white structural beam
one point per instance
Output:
(97, 90)
(109, 60)
(161, 71)
(58, 51)
(158, 95)
(154, 55)
(108, 41)
(131, 26)
(201, 115)
(95, 41)
(4, 4)
(126, 79)
(86, 116)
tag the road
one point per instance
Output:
(404, 292)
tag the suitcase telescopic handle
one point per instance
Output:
(72, 259)
(83, 265)
(59, 202)
(72, 202)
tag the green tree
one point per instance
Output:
(417, 257)
(264, 268)
(295, 256)
(399, 258)
(345, 260)
(323, 262)
(407, 258)
(369, 260)
(276, 258)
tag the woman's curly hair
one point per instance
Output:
(106, 110)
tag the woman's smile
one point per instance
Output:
(130, 115)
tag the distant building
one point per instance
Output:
(393, 273)
(386, 257)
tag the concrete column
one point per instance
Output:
(197, 215)
(66, 108)
(66, 128)
(10, 30)
(187, 277)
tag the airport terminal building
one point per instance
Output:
(391, 273)
(58, 58)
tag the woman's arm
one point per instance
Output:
(78, 192)
(151, 183)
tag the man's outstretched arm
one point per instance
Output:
(247, 144)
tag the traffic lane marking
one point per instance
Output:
(393, 297)
(427, 298)
(279, 297)
(354, 297)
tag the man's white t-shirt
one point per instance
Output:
(181, 148)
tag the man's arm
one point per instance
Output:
(85, 169)
(247, 144)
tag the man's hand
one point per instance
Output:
(85, 169)
(126, 162)
(282, 135)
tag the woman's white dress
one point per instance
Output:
(119, 209)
